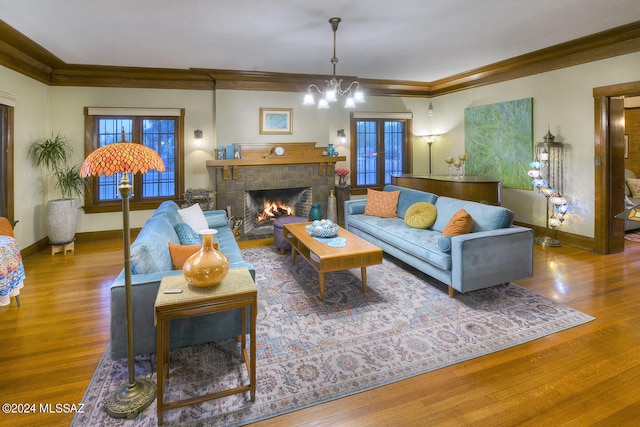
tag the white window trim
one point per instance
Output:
(119, 111)
(6, 99)
(398, 116)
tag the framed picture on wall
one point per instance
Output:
(276, 121)
(626, 145)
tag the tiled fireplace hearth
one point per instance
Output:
(302, 166)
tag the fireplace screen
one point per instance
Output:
(263, 207)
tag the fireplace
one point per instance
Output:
(302, 169)
(263, 207)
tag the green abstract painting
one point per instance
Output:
(499, 142)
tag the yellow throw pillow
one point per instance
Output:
(634, 186)
(180, 253)
(421, 215)
(382, 203)
(460, 223)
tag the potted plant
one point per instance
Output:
(62, 214)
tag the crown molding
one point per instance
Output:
(606, 44)
(21, 54)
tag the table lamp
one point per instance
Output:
(132, 397)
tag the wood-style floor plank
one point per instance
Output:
(587, 375)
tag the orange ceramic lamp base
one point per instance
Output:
(207, 267)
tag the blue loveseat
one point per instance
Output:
(494, 252)
(150, 262)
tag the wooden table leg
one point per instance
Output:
(253, 349)
(160, 369)
(293, 254)
(321, 277)
(363, 270)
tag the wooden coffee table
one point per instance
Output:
(324, 258)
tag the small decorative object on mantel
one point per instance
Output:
(342, 176)
(207, 267)
(316, 212)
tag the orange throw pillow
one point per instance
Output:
(460, 223)
(382, 203)
(180, 253)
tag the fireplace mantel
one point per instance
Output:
(296, 153)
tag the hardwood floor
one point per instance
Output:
(587, 375)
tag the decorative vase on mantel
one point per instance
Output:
(207, 267)
(316, 212)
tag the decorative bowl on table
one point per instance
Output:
(323, 228)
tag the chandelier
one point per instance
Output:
(333, 87)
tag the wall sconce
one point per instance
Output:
(197, 134)
(342, 137)
(430, 139)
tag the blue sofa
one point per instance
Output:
(494, 252)
(150, 262)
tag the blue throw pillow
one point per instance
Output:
(444, 243)
(187, 235)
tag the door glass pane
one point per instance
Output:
(367, 152)
(393, 148)
(159, 135)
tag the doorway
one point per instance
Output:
(609, 165)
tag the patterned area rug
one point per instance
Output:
(633, 236)
(311, 351)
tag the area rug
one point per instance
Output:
(312, 351)
(633, 236)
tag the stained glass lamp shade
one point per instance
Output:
(132, 397)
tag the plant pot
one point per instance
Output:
(62, 220)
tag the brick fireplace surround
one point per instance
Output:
(302, 165)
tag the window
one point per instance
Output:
(380, 148)
(160, 130)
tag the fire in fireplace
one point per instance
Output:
(262, 207)
(274, 210)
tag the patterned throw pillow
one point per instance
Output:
(421, 215)
(186, 235)
(460, 223)
(382, 203)
(634, 186)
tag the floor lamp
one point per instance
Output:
(132, 397)
(430, 139)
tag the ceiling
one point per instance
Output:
(414, 40)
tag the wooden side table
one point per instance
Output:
(237, 290)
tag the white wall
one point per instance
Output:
(30, 123)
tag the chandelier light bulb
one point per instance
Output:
(349, 103)
(323, 104)
(330, 95)
(308, 99)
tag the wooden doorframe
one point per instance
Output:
(609, 170)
